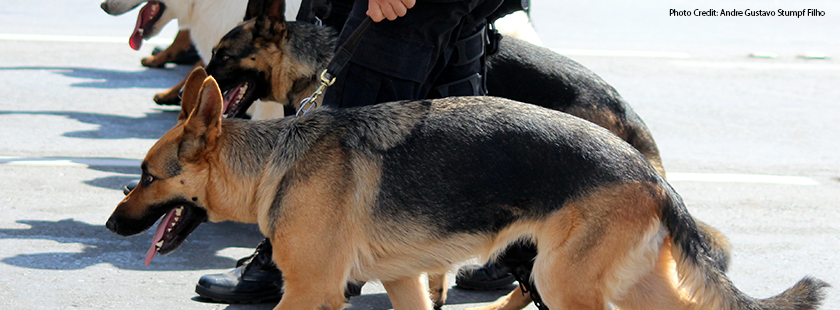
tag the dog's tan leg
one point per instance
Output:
(598, 246)
(438, 289)
(655, 290)
(181, 43)
(514, 301)
(170, 96)
(314, 270)
(567, 282)
(314, 232)
(307, 293)
(407, 294)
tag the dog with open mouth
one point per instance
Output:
(203, 22)
(390, 191)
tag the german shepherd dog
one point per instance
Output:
(389, 191)
(270, 59)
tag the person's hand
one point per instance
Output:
(390, 9)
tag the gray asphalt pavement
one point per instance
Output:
(750, 143)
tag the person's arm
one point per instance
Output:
(390, 9)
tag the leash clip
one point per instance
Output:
(310, 102)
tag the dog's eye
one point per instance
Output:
(148, 179)
(225, 57)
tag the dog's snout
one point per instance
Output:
(104, 6)
(111, 224)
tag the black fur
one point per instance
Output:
(528, 73)
(488, 175)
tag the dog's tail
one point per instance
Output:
(708, 286)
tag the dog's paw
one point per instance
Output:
(153, 62)
(167, 99)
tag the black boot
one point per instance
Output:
(491, 276)
(256, 280)
(130, 186)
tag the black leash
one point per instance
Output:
(339, 60)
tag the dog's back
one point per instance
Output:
(472, 161)
(566, 86)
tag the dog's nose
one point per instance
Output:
(111, 224)
(104, 6)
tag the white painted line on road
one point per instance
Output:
(739, 178)
(75, 39)
(807, 66)
(69, 162)
(619, 53)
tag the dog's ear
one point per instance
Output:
(192, 88)
(204, 125)
(270, 22)
(254, 9)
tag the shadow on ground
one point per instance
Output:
(110, 79)
(381, 302)
(100, 246)
(151, 126)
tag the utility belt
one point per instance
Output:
(472, 51)
(477, 47)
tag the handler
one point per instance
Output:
(416, 49)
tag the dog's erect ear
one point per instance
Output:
(254, 9)
(204, 125)
(271, 20)
(192, 89)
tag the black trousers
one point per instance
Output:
(415, 55)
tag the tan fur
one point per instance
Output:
(603, 244)
(407, 294)
(283, 76)
(315, 201)
(282, 71)
(312, 236)
(438, 289)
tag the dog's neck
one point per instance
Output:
(312, 47)
(246, 150)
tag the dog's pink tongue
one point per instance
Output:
(166, 222)
(146, 14)
(230, 99)
(136, 40)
